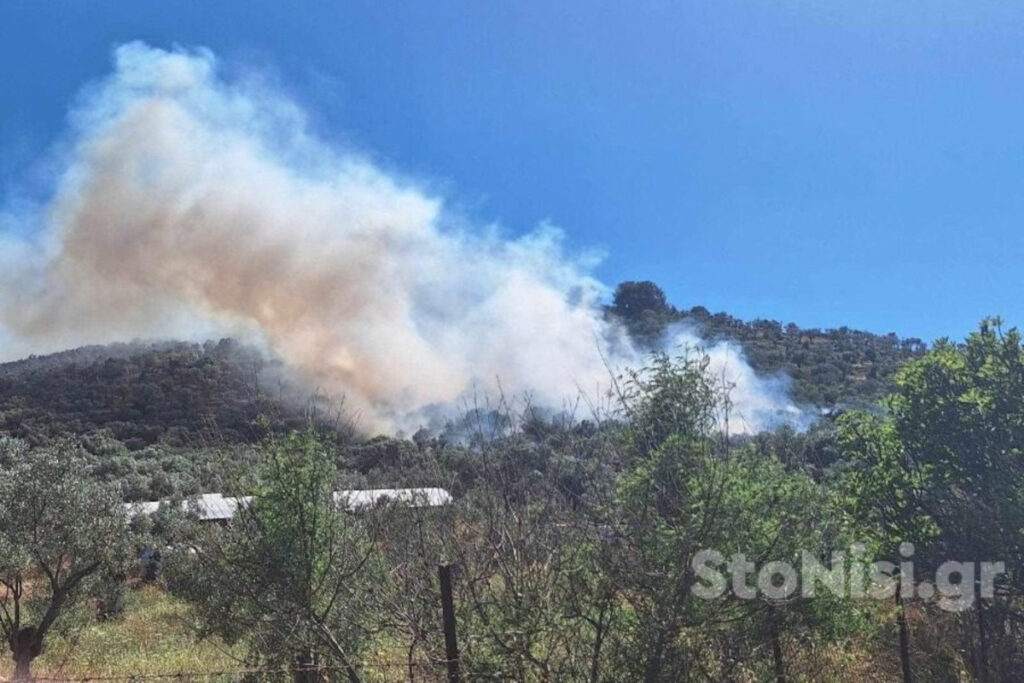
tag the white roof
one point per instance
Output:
(414, 498)
(211, 507)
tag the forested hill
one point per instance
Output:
(186, 394)
(176, 393)
(833, 367)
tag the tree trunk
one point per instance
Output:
(901, 622)
(653, 672)
(23, 664)
(595, 661)
(25, 647)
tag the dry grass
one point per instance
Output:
(151, 637)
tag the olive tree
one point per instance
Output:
(61, 531)
(943, 471)
(291, 575)
(536, 602)
(686, 493)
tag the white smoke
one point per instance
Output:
(190, 206)
(757, 402)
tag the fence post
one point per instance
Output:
(305, 664)
(451, 645)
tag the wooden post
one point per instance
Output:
(305, 667)
(451, 644)
(982, 634)
(901, 622)
(780, 664)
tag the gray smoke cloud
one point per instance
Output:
(189, 206)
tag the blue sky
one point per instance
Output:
(825, 163)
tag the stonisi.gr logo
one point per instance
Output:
(954, 585)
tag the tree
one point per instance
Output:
(539, 606)
(633, 298)
(60, 532)
(292, 573)
(943, 470)
(881, 496)
(686, 491)
(415, 545)
(643, 308)
(958, 414)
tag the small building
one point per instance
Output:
(216, 507)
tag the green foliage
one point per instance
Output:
(573, 539)
(151, 637)
(643, 309)
(959, 417)
(943, 471)
(670, 397)
(685, 492)
(291, 574)
(172, 394)
(836, 367)
(61, 533)
(831, 367)
(180, 397)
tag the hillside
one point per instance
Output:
(830, 367)
(175, 393)
(187, 394)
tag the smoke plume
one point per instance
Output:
(188, 206)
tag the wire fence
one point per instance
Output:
(375, 672)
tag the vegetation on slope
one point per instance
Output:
(185, 396)
(575, 540)
(175, 394)
(832, 367)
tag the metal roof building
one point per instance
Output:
(415, 498)
(215, 507)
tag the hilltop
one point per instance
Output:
(173, 393)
